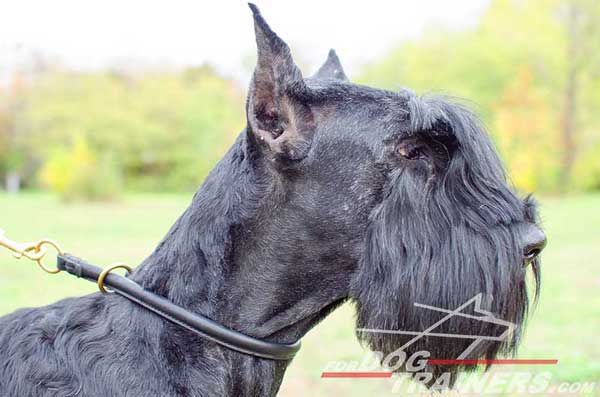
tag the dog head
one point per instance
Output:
(404, 195)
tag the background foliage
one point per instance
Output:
(531, 70)
(67, 131)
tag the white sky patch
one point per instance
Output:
(100, 34)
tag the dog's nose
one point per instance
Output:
(534, 242)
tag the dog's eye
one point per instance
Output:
(411, 151)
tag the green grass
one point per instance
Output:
(565, 325)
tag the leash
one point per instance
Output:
(127, 288)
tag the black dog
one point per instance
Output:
(334, 191)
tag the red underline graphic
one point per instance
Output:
(439, 362)
(489, 362)
(356, 375)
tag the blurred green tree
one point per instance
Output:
(77, 173)
(164, 131)
(524, 119)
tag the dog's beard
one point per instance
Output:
(419, 254)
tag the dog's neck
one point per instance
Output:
(227, 259)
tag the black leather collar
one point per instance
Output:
(196, 323)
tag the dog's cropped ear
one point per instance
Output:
(278, 113)
(331, 69)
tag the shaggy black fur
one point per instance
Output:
(334, 191)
